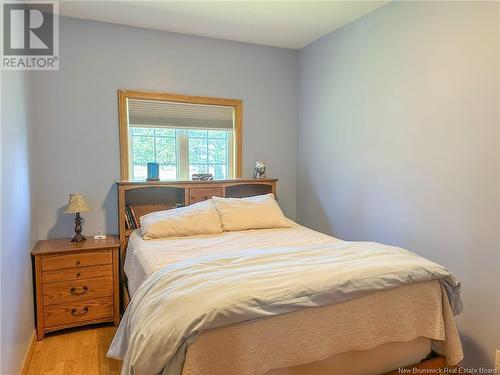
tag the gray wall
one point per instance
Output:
(399, 143)
(75, 135)
(16, 294)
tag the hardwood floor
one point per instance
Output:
(82, 352)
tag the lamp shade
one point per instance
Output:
(76, 204)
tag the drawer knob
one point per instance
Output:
(78, 274)
(77, 262)
(74, 312)
(76, 292)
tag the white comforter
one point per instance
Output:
(145, 257)
(213, 290)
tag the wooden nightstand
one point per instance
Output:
(76, 283)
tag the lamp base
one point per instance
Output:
(78, 238)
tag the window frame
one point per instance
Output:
(125, 136)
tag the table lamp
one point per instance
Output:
(76, 205)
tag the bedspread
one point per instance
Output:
(315, 338)
(216, 290)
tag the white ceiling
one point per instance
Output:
(281, 23)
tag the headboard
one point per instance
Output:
(145, 197)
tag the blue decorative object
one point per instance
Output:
(153, 172)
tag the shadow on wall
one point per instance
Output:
(64, 225)
(315, 216)
(473, 350)
(103, 218)
(110, 207)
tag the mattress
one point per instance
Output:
(144, 257)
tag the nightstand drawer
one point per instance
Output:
(77, 290)
(58, 262)
(69, 274)
(78, 312)
(202, 194)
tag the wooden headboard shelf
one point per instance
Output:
(150, 196)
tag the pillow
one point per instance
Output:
(259, 212)
(198, 218)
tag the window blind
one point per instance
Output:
(179, 115)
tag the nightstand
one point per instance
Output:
(76, 283)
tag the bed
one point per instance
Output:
(370, 333)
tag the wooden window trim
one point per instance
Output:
(123, 95)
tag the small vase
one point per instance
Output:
(260, 170)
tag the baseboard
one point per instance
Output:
(29, 355)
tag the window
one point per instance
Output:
(181, 152)
(184, 135)
(210, 152)
(154, 145)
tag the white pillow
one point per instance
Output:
(259, 212)
(198, 218)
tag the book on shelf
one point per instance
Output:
(127, 223)
(128, 219)
(137, 224)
